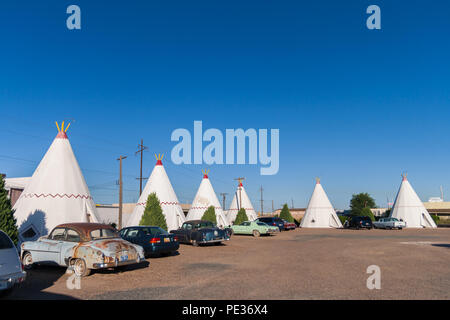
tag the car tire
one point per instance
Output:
(256, 233)
(80, 269)
(27, 261)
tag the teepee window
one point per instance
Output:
(29, 233)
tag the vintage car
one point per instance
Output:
(389, 223)
(11, 271)
(272, 221)
(254, 228)
(289, 225)
(83, 247)
(154, 240)
(358, 222)
(201, 232)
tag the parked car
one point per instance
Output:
(272, 221)
(389, 223)
(154, 240)
(82, 246)
(11, 269)
(201, 232)
(359, 222)
(289, 225)
(254, 228)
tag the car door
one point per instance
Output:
(72, 239)
(51, 247)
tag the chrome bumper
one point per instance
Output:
(215, 240)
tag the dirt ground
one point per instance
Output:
(299, 264)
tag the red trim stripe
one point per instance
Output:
(57, 195)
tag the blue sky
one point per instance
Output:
(356, 107)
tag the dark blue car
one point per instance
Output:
(154, 240)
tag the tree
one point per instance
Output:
(153, 215)
(368, 213)
(285, 214)
(360, 201)
(210, 215)
(7, 221)
(241, 216)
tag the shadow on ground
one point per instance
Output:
(38, 279)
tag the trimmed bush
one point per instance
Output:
(153, 215)
(241, 217)
(285, 214)
(210, 215)
(7, 221)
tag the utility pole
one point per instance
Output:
(262, 201)
(223, 199)
(239, 188)
(141, 151)
(120, 191)
(292, 207)
(273, 209)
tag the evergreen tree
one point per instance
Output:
(210, 215)
(241, 216)
(7, 220)
(153, 215)
(285, 214)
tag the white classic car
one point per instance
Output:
(11, 272)
(389, 223)
(83, 247)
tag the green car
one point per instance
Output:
(254, 228)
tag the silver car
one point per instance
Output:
(11, 271)
(389, 223)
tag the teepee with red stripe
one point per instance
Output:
(57, 192)
(205, 198)
(159, 183)
(241, 200)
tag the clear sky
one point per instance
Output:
(356, 107)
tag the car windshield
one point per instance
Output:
(154, 231)
(204, 224)
(104, 234)
(5, 243)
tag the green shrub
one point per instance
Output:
(435, 218)
(343, 219)
(285, 214)
(153, 215)
(210, 215)
(241, 217)
(368, 213)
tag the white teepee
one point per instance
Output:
(205, 198)
(241, 200)
(57, 193)
(409, 208)
(159, 183)
(320, 213)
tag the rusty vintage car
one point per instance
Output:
(82, 247)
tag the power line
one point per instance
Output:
(141, 151)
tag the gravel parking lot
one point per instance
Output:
(299, 264)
